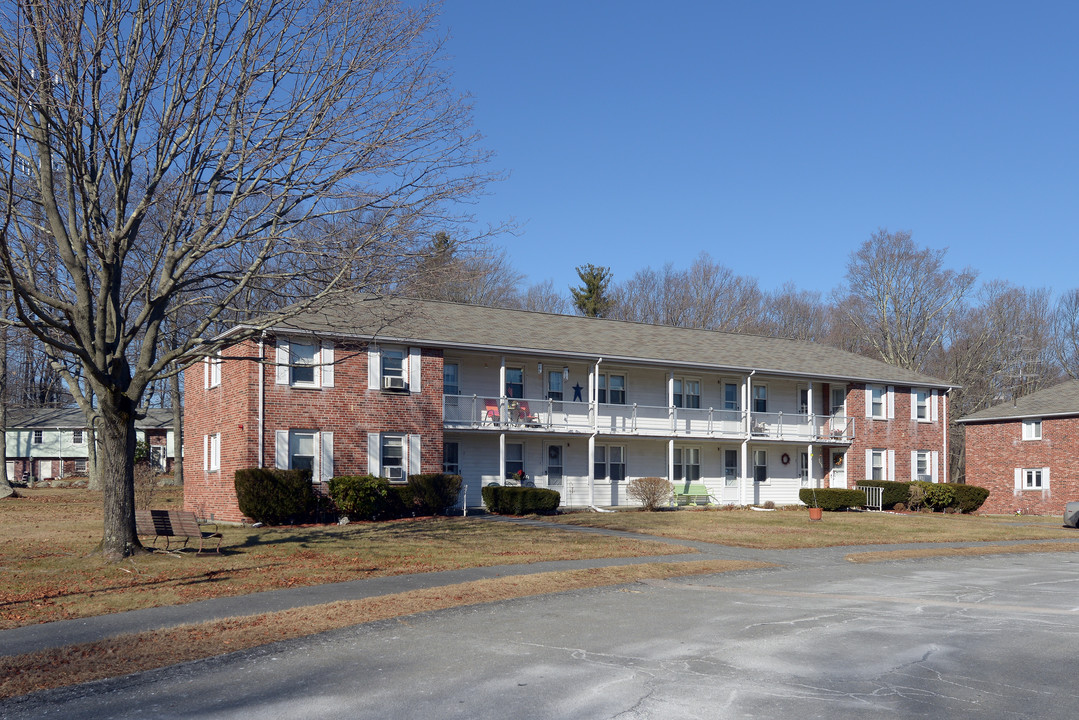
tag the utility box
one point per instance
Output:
(1071, 514)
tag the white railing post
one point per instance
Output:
(633, 424)
(710, 420)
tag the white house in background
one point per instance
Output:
(51, 443)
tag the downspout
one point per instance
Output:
(748, 400)
(262, 398)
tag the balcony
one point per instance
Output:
(472, 412)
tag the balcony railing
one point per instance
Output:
(477, 412)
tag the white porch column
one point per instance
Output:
(670, 460)
(944, 428)
(593, 393)
(809, 418)
(502, 415)
(746, 414)
(812, 480)
(743, 479)
(591, 469)
(502, 458)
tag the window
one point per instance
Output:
(77, 437)
(920, 398)
(803, 401)
(760, 466)
(393, 369)
(803, 469)
(839, 401)
(760, 399)
(611, 389)
(39, 437)
(610, 463)
(515, 383)
(554, 464)
(450, 382)
(451, 458)
(922, 466)
(554, 385)
(877, 406)
(730, 397)
(302, 362)
(876, 465)
(1032, 479)
(1032, 429)
(301, 451)
(730, 467)
(687, 393)
(212, 452)
(80, 467)
(213, 371)
(515, 458)
(687, 464)
(393, 457)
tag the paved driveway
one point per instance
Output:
(986, 637)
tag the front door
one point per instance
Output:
(554, 465)
(839, 470)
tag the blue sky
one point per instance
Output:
(777, 136)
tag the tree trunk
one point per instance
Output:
(177, 431)
(116, 438)
(5, 484)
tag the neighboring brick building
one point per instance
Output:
(51, 443)
(1026, 452)
(581, 405)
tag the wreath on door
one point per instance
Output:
(785, 459)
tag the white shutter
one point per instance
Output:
(206, 452)
(869, 401)
(326, 361)
(1045, 479)
(206, 373)
(1018, 480)
(933, 405)
(326, 456)
(414, 370)
(913, 465)
(891, 402)
(914, 403)
(868, 464)
(414, 464)
(374, 368)
(280, 452)
(374, 454)
(935, 460)
(891, 466)
(282, 361)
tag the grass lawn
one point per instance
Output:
(785, 529)
(47, 537)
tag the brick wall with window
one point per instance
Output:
(332, 416)
(998, 458)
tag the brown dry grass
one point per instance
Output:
(145, 651)
(887, 555)
(786, 529)
(46, 538)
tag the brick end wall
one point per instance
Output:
(994, 450)
(348, 409)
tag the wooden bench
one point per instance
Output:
(172, 524)
(697, 493)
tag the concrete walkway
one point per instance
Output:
(68, 632)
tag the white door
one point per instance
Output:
(839, 470)
(44, 470)
(554, 465)
(11, 471)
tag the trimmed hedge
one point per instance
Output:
(362, 497)
(274, 497)
(893, 494)
(434, 493)
(832, 498)
(970, 497)
(520, 500)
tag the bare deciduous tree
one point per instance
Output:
(167, 156)
(903, 297)
(1066, 332)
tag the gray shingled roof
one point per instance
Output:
(1060, 399)
(452, 325)
(49, 418)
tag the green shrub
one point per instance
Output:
(434, 493)
(361, 497)
(940, 496)
(401, 502)
(520, 500)
(832, 498)
(274, 497)
(970, 497)
(893, 493)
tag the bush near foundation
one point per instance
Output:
(651, 492)
(832, 498)
(520, 500)
(362, 497)
(970, 497)
(275, 497)
(434, 493)
(893, 494)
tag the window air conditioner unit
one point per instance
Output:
(393, 383)
(925, 478)
(395, 473)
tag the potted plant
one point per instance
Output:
(815, 512)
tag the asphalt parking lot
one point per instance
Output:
(978, 637)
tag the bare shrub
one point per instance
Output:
(146, 476)
(651, 492)
(917, 497)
